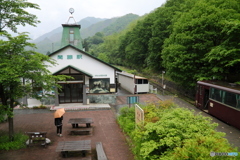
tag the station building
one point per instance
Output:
(94, 80)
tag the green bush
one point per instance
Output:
(172, 133)
(18, 143)
(127, 119)
(39, 107)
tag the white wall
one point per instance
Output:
(142, 88)
(87, 64)
(127, 83)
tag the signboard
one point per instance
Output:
(99, 85)
(132, 99)
(139, 115)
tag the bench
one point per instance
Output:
(76, 121)
(74, 146)
(100, 152)
(36, 137)
(81, 131)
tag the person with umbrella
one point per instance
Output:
(58, 117)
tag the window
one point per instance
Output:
(141, 81)
(145, 81)
(60, 57)
(79, 56)
(71, 36)
(138, 81)
(230, 99)
(216, 94)
(69, 56)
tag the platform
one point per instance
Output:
(80, 106)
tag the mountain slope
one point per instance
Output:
(119, 24)
(85, 23)
(50, 42)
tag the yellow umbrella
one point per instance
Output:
(59, 113)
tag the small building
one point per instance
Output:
(132, 83)
(94, 81)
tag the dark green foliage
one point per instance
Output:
(18, 143)
(200, 47)
(190, 39)
(134, 45)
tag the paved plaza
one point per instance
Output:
(105, 129)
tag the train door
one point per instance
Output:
(206, 99)
(202, 97)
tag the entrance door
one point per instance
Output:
(71, 93)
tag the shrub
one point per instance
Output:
(127, 119)
(172, 133)
(18, 143)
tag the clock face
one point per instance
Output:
(71, 10)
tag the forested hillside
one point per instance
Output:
(189, 39)
(51, 41)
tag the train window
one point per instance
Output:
(216, 94)
(230, 99)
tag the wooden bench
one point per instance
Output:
(100, 152)
(37, 137)
(74, 146)
(81, 131)
(76, 121)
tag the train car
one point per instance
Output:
(220, 99)
(133, 83)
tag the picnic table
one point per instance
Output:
(67, 146)
(76, 121)
(36, 137)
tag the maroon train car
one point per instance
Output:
(220, 99)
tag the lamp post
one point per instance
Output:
(163, 72)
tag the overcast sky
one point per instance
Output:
(53, 13)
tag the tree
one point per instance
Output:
(134, 45)
(13, 13)
(161, 29)
(22, 72)
(201, 45)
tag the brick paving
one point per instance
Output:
(105, 130)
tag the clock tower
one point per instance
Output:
(71, 33)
